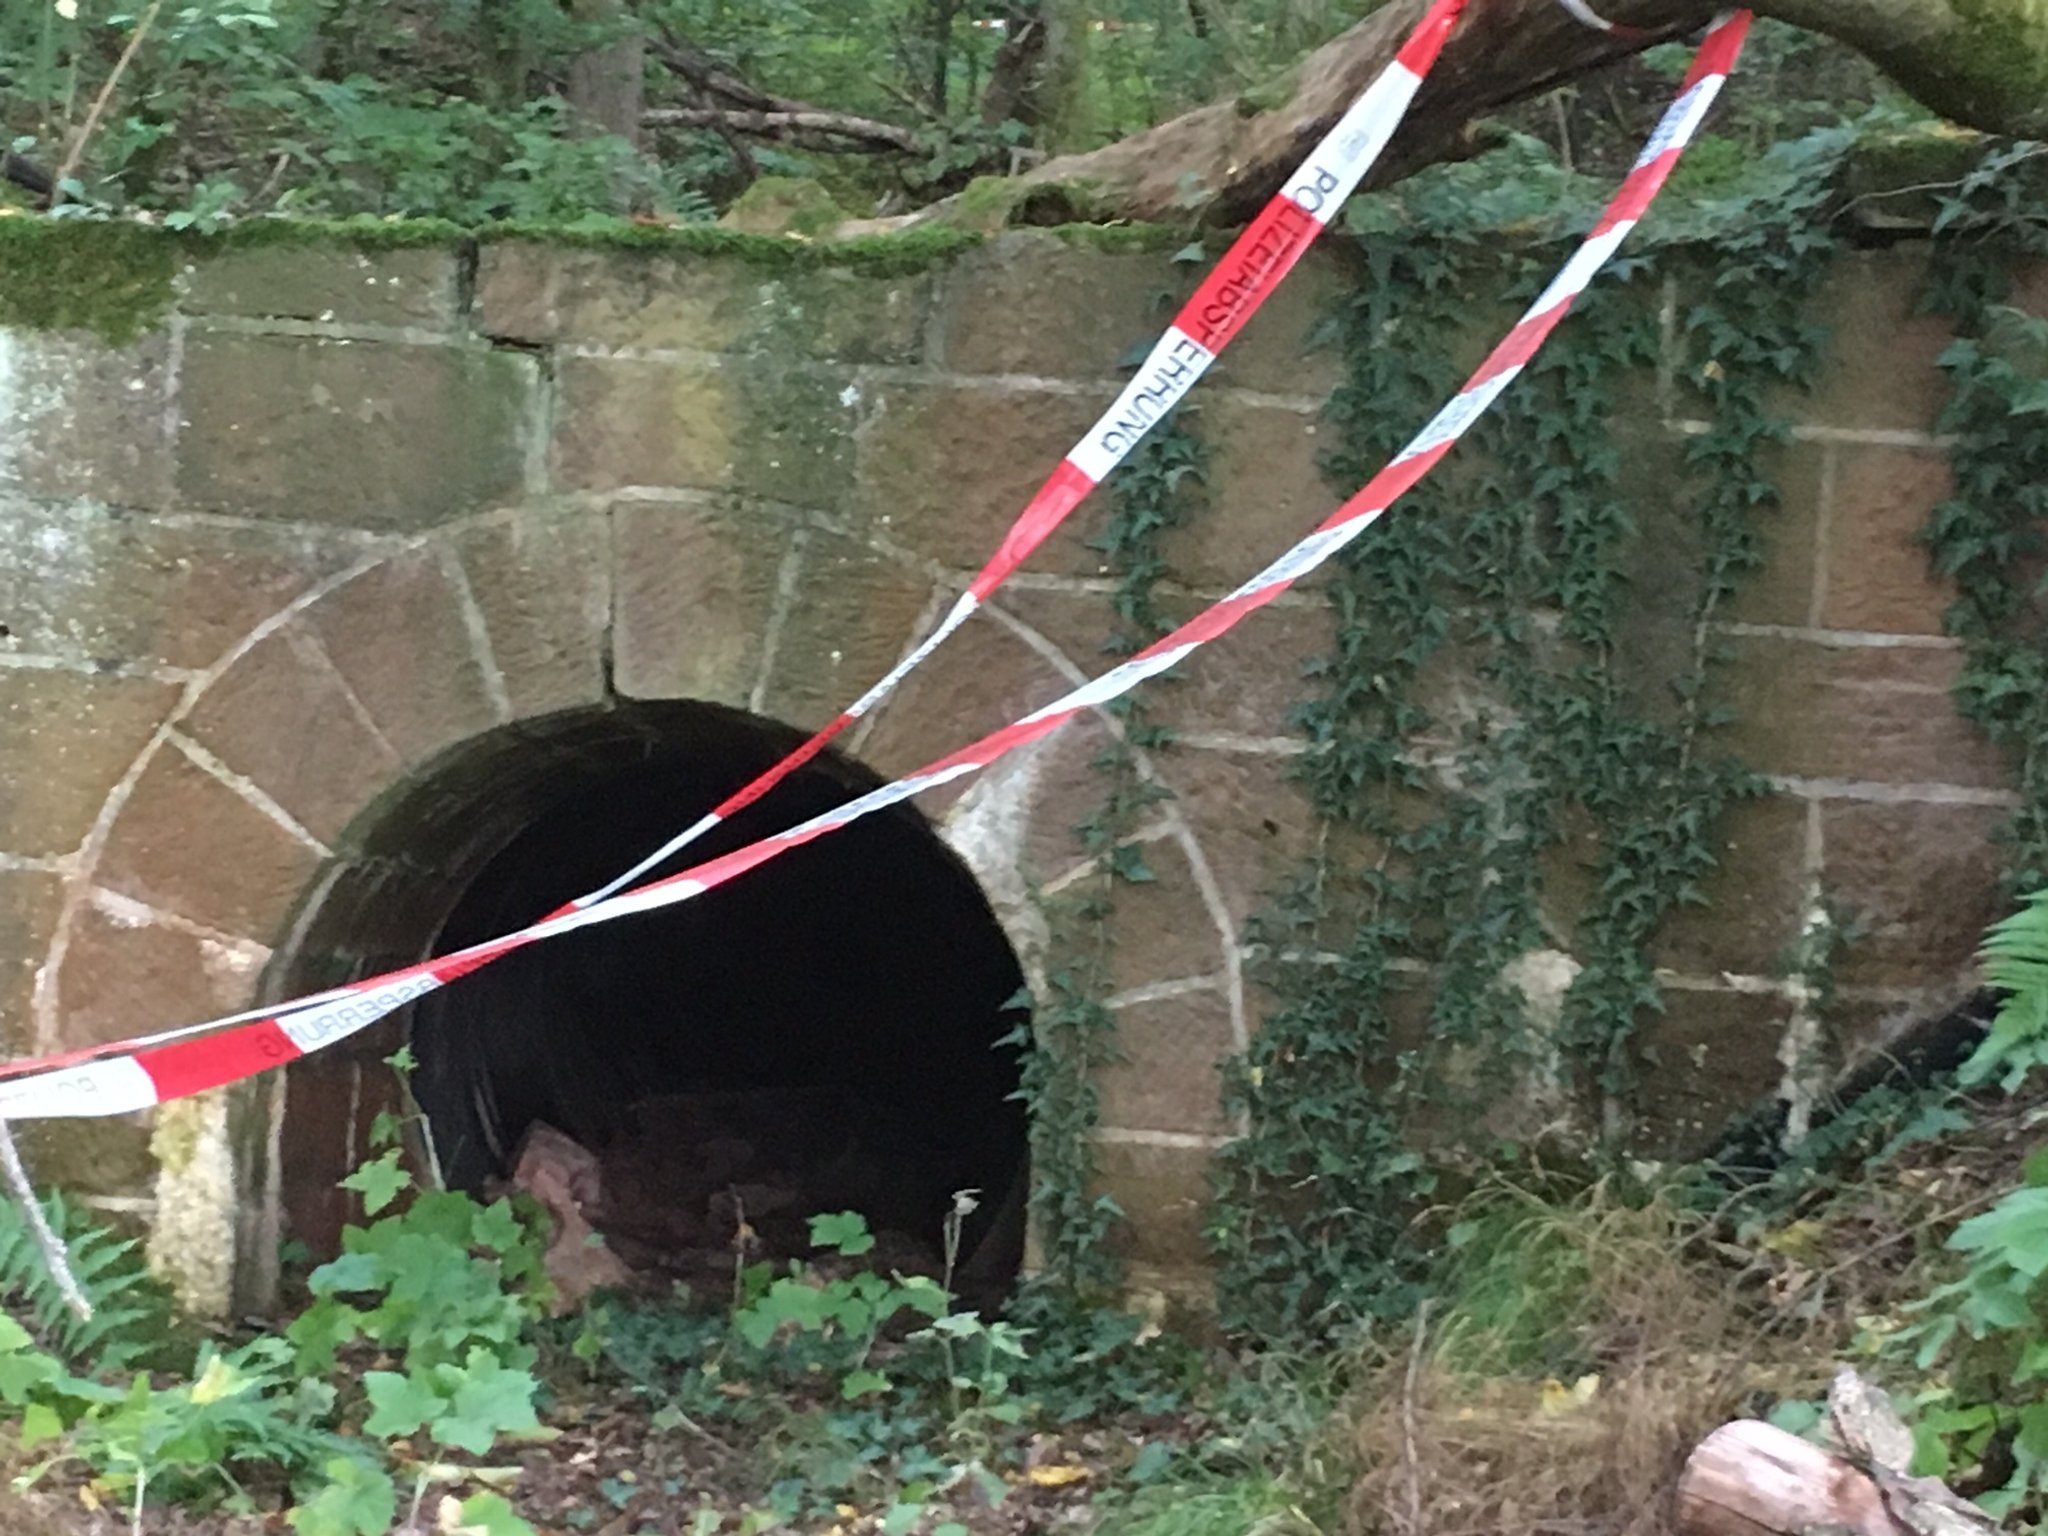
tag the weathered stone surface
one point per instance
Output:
(851, 616)
(1253, 821)
(282, 717)
(1878, 577)
(1170, 1079)
(752, 425)
(66, 739)
(1880, 367)
(982, 678)
(89, 1157)
(1164, 1191)
(413, 286)
(190, 845)
(945, 471)
(1164, 930)
(397, 636)
(1248, 682)
(125, 974)
(1782, 592)
(1755, 900)
(1878, 714)
(1920, 880)
(88, 585)
(1030, 303)
(534, 293)
(694, 591)
(1281, 351)
(1266, 490)
(1708, 1057)
(542, 582)
(30, 902)
(84, 419)
(360, 434)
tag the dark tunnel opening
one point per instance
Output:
(825, 1033)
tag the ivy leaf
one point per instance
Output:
(400, 1405)
(378, 1182)
(358, 1500)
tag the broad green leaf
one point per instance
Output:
(487, 1514)
(39, 1422)
(860, 1383)
(357, 1500)
(379, 1181)
(399, 1405)
(846, 1231)
(489, 1400)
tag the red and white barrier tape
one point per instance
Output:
(1233, 291)
(133, 1075)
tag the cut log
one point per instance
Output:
(1749, 1478)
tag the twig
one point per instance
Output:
(99, 106)
(54, 1255)
(1410, 1457)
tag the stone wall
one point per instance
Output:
(270, 568)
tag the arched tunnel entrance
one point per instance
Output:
(826, 1033)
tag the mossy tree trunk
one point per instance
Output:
(1983, 63)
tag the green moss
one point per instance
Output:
(2001, 57)
(1271, 94)
(83, 275)
(363, 234)
(778, 205)
(1120, 237)
(891, 255)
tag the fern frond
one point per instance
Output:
(2015, 956)
(130, 1307)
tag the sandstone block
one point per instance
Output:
(188, 844)
(542, 582)
(90, 1157)
(398, 637)
(1252, 819)
(533, 293)
(282, 717)
(30, 903)
(945, 471)
(356, 434)
(1165, 1195)
(1266, 489)
(1708, 1057)
(740, 424)
(1030, 303)
(1755, 899)
(1880, 367)
(1860, 713)
(851, 617)
(1782, 591)
(86, 420)
(982, 678)
(66, 739)
(1171, 1077)
(414, 286)
(125, 974)
(694, 591)
(89, 585)
(1878, 576)
(1920, 880)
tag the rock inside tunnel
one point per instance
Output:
(832, 1031)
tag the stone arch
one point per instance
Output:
(243, 817)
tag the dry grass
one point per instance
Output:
(1585, 1356)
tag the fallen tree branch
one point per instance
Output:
(76, 152)
(863, 131)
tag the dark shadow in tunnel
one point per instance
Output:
(821, 1034)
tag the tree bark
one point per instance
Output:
(607, 86)
(1982, 62)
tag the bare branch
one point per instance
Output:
(864, 131)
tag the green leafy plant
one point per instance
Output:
(130, 1308)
